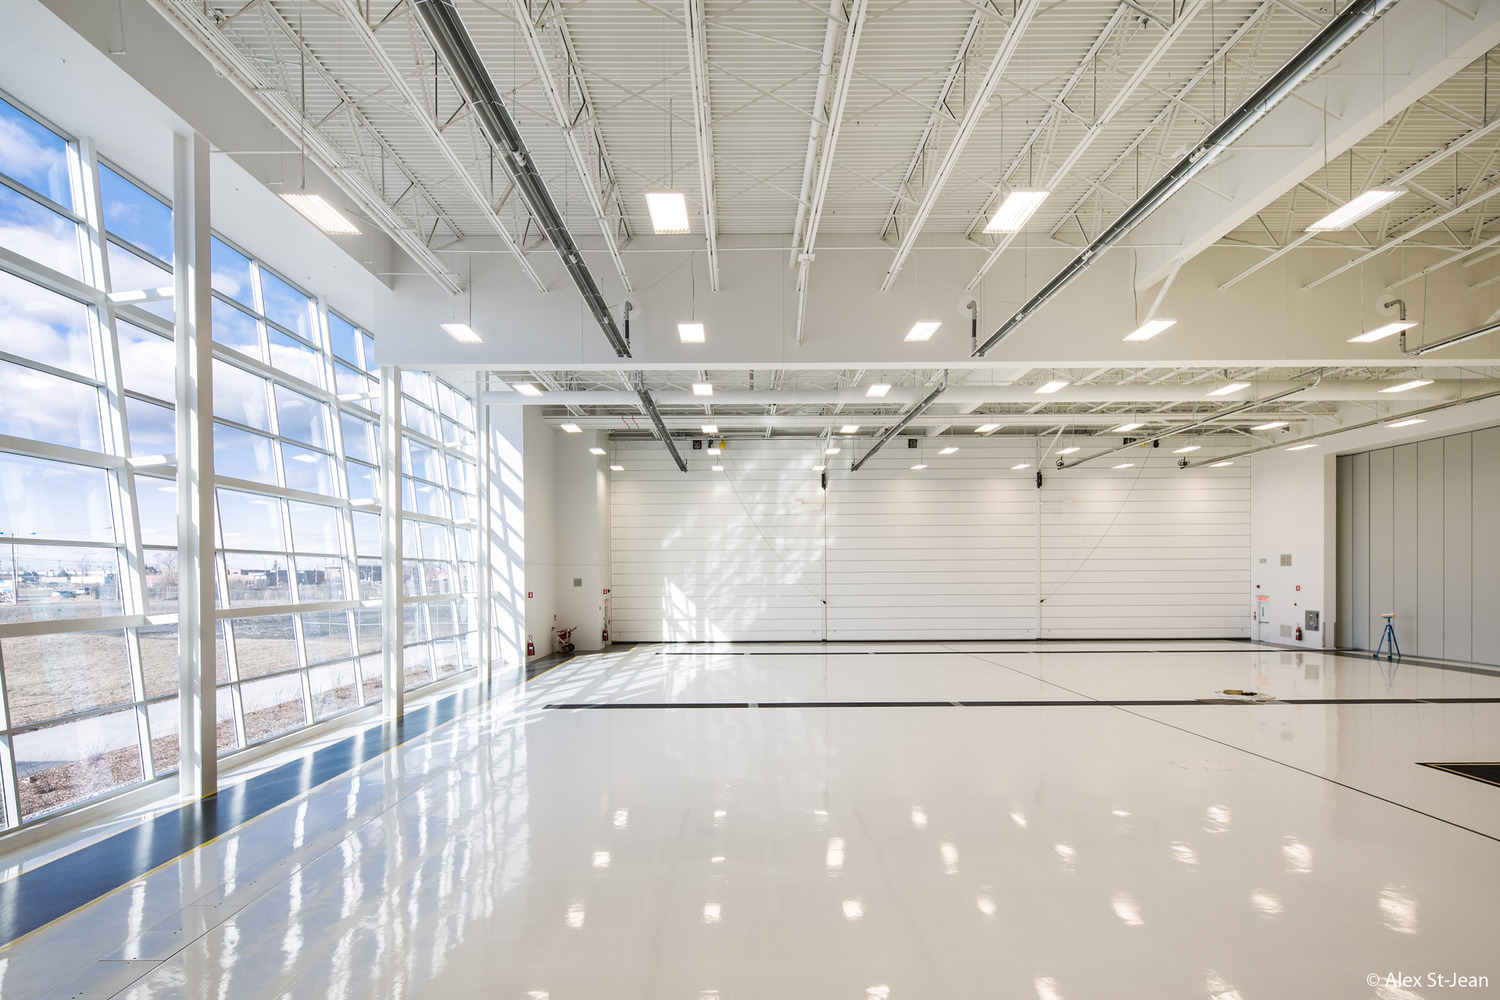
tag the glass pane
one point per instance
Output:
(153, 429)
(428, 499)
(442, 621)
(241, 397)
(370, 678)
(424, 462)
(50, 676)
(148, 362)
(158, 659)
(257, 579)
(231, 275)
(417, 385)
(309, 471)
(272, 706)
(247, 521)
(419, 418)
(263, 645)
(434, 540)
(370, 365)
(439, 578)
(55, 500)
(326, 634)
(369, 571)
(36, 232)
(368, 636)
(463, 543)
(364, 484)
(414, 624)
(359, 438)
(315, 528)
(320, 578)
(41, 407)
(34, 155)
(225, 735)
(63, 764)
(445, 657)
(236, 329)
(58, 581)
(241, 455)
(347, 382)
(366, 533)
(295, 358)
(334, 689)
(44, 326)
(135, 215)
(411, 578)
(459, 438)
(130, 272)
(417, 665)
(461, 474)
(287, 306)
(161, 580)
(345, 338)
(164, 721)
(300, 417)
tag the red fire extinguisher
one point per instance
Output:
(530, 647)
(606, 635)
(1299, 633)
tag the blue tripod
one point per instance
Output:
(1389, 635)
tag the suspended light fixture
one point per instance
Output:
(669, 214)
(1015, 211)
(1381, 332)
(923, 330)
(463, 333)
(1347, 215)
(1151, 328)
(315, 209)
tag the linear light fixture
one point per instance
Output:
(316, 210)
(463, 333)
(571, 429)
(690, 333)
(1302, 447)
(819, 468)
(948, 450)
(1220, 465)
(1225, 390)
(1069, 450)
(596, 450)
(668, 210)
(1015, 211)
(923, 330)
(833, 450)
(1125, 465)
(710, 428)
(1271, 426)
(1407, 422)
(918, 467)
(878, 390)
(1053, 386)
(1348, 214)
(1126, 427)
(703, 389)
(1380, 333)
(849, 429)
(1415, 383)
(1023, 465)
(718, 468)
(987, 428)
(1150, 329)
(617, 468)
(526, 389)
(1184, 451)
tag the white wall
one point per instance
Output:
(507, 544)
(1289, 516)
(580, 487)
(962, 549)
(539, 456)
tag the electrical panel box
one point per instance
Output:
(1310, 620)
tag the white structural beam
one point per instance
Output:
(279, 105)
(1400, 180)
(198, 765)
(544, 31)
(829, 55)
(1025, 11)
(392, 659)
(833, 119)
(1362, 87)
(1121, 98)
(697, 41)
(417, 108)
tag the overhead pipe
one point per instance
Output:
(1324, 44)
(451, 40)
(649, 405)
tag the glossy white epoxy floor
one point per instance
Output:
(1071, 851)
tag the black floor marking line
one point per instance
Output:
(1272, 760)
(1487, 772)
(1081, 702)
(41, 895)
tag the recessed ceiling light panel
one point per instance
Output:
(669, 214)
(1015, 211)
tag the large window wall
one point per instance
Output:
(88, 506)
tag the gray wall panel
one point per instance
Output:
(1486, 516)
(1429, 539)
(1344, 616)
(1382, 539)
(1359, 583)
(1458, 553)
(1404, 545)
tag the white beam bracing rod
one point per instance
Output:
(1116, 104)
(570, 128)
(972, 116)
(703, 131)
(815, 129)
(854, 29)
(417, 108)
(278, 105)
(1426, 163)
